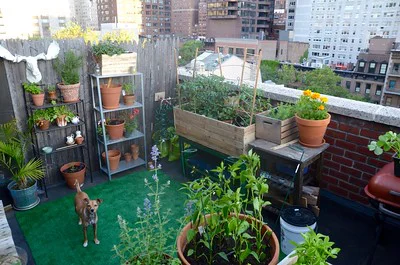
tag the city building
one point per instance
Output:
(84, 12)
(391, 90)
(202, 26)
(185, 18)
(107, 11)
(299, 19)
(156, 16)
(280, 17)
(240, 19)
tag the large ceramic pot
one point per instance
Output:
(70, 93)
(110, 95)
(24, 199)
(113, 158)
(38, 99)
(273, 241)
(70, 177)
(115, 129)
(311, 132)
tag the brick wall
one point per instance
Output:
(348, 164)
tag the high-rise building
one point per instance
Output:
(185, 18)
(156, 16)
(107, 11)
(391, 92)
(240, 19)
(338, 30)
(280, 17)
(202, 26)
(84, 12)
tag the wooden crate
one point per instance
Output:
(217, 135)
(274, 130)
(118, 64)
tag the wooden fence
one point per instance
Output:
(155, 60)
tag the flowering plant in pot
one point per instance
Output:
(63, 115)
(390, 141)
(130, 118)
(36, 93)
(69, 72)
(225, 222)
(146, 242)
(128, 93)
(13, 146)
(312, 118)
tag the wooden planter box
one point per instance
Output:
(274, 130)
(217, 135)
(118, 64)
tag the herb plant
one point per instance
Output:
(32, 88)
(315, 250)
(107, 47)
(311, 106)
(146, 242)
(282, 112)
(51, 88)
(386, 142)
(40, 115)
(224, 237)
(128, 88)
(62, 110)
(69, 69)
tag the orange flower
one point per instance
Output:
(315, 95)
(324, 99)
(321, 107)
(307, 92)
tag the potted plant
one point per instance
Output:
(147, 241)
(312, 118)
(130, 121)
(390, 141)
(113, 158)
(225, 222)
(315, 249)
(51, 90)
(73, 171)
(110, 94)
(13, 146)
(128, 93)
(36, 93)
(62, 115)
(115, 128)
(42, 118)
(69, 72)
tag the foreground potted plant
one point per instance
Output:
(128, 93)
(390, 141)
(315, 250)
(42, 118)
(13, 146)
(73, 171)
(147, 242)
(62, 115)
(110, 95)
(36, 93)
(51, 90)
(225, 218)
(115, 128)
(312, 119)
(69, 72)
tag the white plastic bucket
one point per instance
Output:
(294, 221)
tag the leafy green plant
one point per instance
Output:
(386, 142)
(311, 106)
(62, 110)
(39, 115)
(32, 88)
(188, 51)
(13, 146)
(69, 69)
(128, 88)
(282, 112)
(223, 236)
(107, 47)
(130, 118)
(51, 88)
(315, 250)
(146, 243)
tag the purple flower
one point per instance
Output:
(155, 178)
(147, 205)
(151, 166)
(154, 153)
(159, 166)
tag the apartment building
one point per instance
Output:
(240, 19)
(185, 18)
(280, 17)
(391, 91)
(202, 26)
(156, 16)
(84, 12)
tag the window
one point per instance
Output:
(251, 51)
(348, 84)
(396, 68)
(367, 89)
(361, 66)
(392, 84)
(358, 86)
(382, 71)
(240, 51)
(230, 50)
(378, 91)
(221, 49)
(388, 101)
(371, 68)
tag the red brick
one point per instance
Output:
(366, 125)
(327, 156)
(358, 198)
(342, 160)
(351, 171)
(387, 156)
(357, 139)
(349, 129)
(358, 182)
(379, 127)
(366, 176)
(333, 124)
(339, 175)
(370, 134)
(349, 187)
(329, 180)
(376, 162)
(339, 191)
(345, 145)
(335, 150)
(331, 164)
(329, 140)
(355, 156)
(365, 151)
(336, 134)
(365, 168)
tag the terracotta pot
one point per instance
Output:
(79, 140)
(110, 95)
(134, 148)
(52, 96)
(61, 121)
(129, 100)
(38, 100)
(113, 157)
(135, 155)
(274, 243)
(311, 132)
(43, 124)
(71, 177)
(115, 131)
(128, 157)
(70, 93)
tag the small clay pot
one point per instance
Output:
(115, 129)
(52, 96)
(38, 100)
(43, 124)
(113, 157)
(128, 157)
(134, 148)
(129, 100)
(61, 121)
(135, 155)
(79, 140)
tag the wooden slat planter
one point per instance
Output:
(276, 131)
(217, 135)
(118, 64)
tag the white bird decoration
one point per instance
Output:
(32, 70)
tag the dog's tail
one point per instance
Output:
(78, 187)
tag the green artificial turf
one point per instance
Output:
(55, 238)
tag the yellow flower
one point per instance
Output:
(307, 92)
(315, 95)
(321, 107)
(324, 99)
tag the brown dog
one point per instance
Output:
(87, 212)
